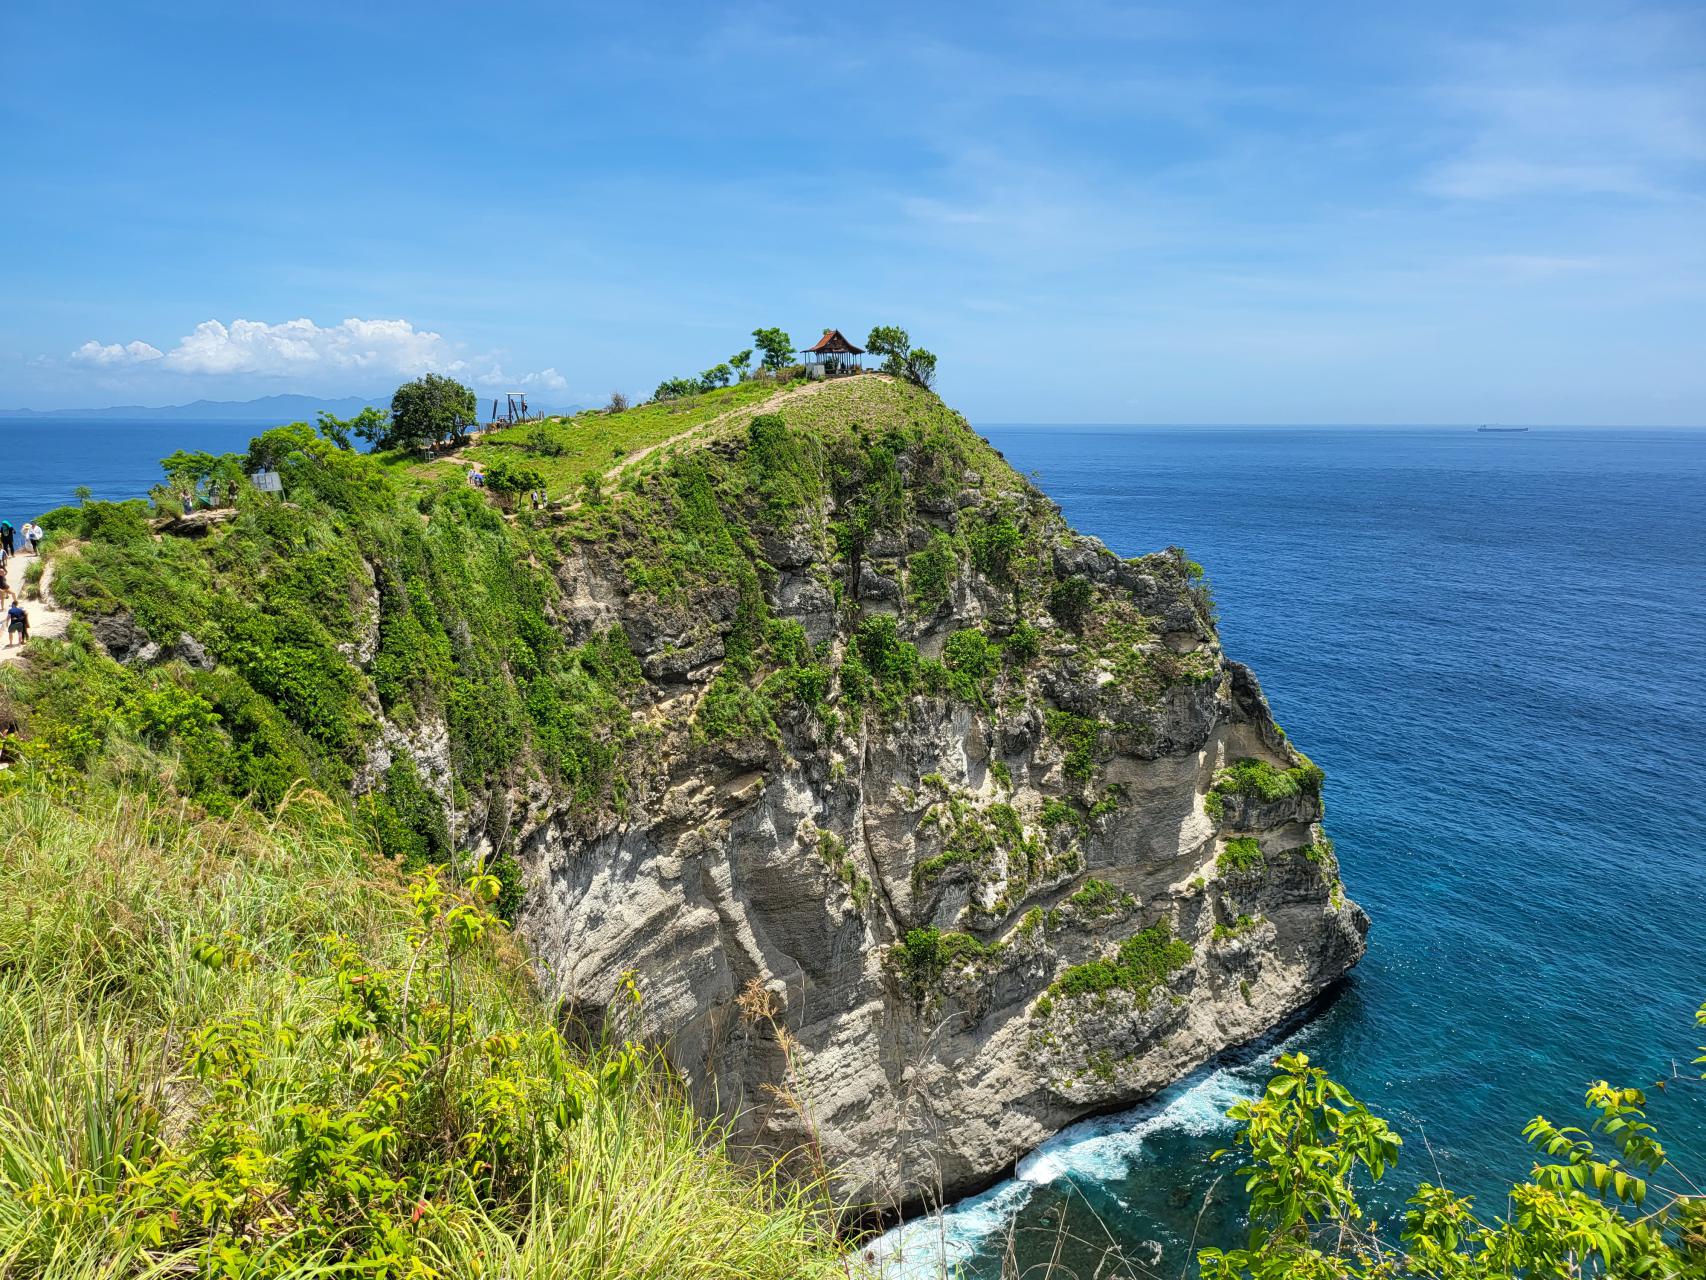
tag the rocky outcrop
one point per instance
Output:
(941, 896)
(815, 748)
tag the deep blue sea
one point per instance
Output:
(1495, 645)
(47, 458)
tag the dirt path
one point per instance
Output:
(46, 621)
(722, 419)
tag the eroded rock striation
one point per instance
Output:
(945, 825)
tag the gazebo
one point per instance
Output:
(833, 354)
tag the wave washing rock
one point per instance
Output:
(935, 826)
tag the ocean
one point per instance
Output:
(1495, 645)
(46, 459)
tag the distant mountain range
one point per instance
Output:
(280, 408)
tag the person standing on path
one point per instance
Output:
(17, 623)
(32, 534)
(7, 535)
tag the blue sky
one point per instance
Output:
(1453, 212)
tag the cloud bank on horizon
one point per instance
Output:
(1097, 212)
(303, 353)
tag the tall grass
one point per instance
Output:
(245, 1048)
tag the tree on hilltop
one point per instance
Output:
(367, 424)
(901, 358)
(777, 346)
(193, 475)
(891, 341)
(740, 362)
(275, 444)
(676, 388)
(508, 479)
(425, 412)
(718, 375)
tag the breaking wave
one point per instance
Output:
(1097, 1151)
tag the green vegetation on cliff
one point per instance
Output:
(1263, 782)
(1141, 965)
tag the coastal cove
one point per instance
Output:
(1478, 637)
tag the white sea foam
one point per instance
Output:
(1098, 1150)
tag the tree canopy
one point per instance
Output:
(776, 347)
(424, 413)
(276, 444)
(367, 424)
(508, 478)
(901, 358)
(675, 388)
(194, 474)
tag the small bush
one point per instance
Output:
(1142, 964)
(1250, 777)
(1236, 929)
(1058, 813)
(921, 959)
(1024, 645)
(993, 547)
(1099, 898)
(115, 522)
(1241, 856)
(1081, 738)
(930, 573)
(62, 520)
(972, 661)
(543, 441)
(1069, 601)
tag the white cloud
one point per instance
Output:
(301, 346)
(545, 379)
(115, 354)
(299, 349)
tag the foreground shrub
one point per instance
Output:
(1608, 1200)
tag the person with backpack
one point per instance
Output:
(17, 623)
(7, 535)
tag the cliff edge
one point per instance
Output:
(811, 743)
(980, 808)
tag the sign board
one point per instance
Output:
(267, 481)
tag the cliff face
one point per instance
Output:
(813, 746)
(949, 826)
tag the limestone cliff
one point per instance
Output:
(812, 745)
(980, 808)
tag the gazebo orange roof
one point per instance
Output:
(833, 343)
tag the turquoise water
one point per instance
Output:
(1496, 647)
